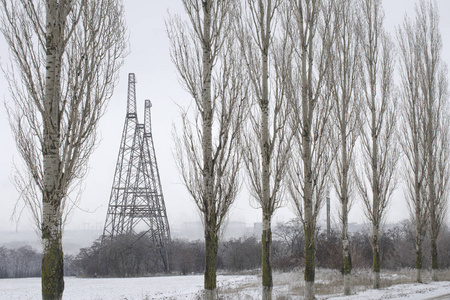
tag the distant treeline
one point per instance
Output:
(26, 262)
(130, 255)
(20, 262)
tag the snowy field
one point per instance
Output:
(287, 286)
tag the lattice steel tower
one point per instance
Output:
(136, 201)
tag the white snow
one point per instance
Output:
(172, 287)
(189, 287)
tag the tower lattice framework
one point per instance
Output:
(137, 201)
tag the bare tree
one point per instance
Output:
(265, 147)
(344, 86)
(66, 55)
(412, 134)
(434, 92)
(309, 26)
(207, 155)
(380, 152)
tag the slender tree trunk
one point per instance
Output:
(434, 259)
(432, 199)
(52, 256)
(419, 256)
(211, 248)
(419, 225)
(211, 236)
(376, 258)
(310, 267)
(267, 206)
(376, 210)
(267, 281)
(418, 216)
(434, 231)
(309, 221)
(347, 264)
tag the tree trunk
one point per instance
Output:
(267, 282)
(376, 279)
(52, 257)
(347, 264)
(267, 206)
(347, 284)
(419, 258)
(211, 237)
(419, 275)
(434, 260)
(376, 260)
(309, 290)
(310, 267)
(211, 248)
(347, 268)
(376, 210)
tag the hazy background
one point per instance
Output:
(157, 80)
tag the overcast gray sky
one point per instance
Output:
(157, 80)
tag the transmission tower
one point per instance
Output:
(137, 201)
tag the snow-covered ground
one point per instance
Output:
(434, 290)
(189, 287)
(172, 287)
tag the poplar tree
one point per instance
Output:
(344, 85)
(380, 150)
(204, 51)
(65, 59)
(309, 25)
(265, 147)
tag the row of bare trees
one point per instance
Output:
(283, 89)
(302, 94)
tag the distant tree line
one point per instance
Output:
(128, 256)
(20, 262)
(26, 261)
(243, 254)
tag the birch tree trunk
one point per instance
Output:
(52, 256)
(211, 235)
